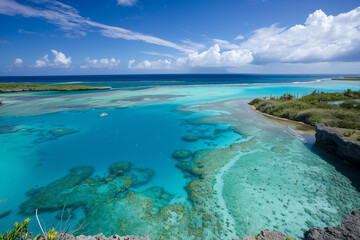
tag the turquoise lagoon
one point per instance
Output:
(116, 174)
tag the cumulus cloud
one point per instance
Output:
(223, 44)
(159, 64)
(321, 38)
(213, 57)
(18, 62)
(75, 25)
(128, 3)
(101, 63)
(59, 60)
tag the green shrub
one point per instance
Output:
(350, 104)
(348, 133)
(255, 101)
(349, 125)
(18, 231)
(349, 93)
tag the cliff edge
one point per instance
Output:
(334, 141)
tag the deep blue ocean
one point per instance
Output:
(170, 79)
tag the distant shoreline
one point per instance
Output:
(347, 79)
(15, 87)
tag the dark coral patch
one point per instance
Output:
(182, 154)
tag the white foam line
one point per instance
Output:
(294, 132)
(218, 187)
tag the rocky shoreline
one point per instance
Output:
(349, 229)
(334, 141)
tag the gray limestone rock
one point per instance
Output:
(334, 141)
(100, 236)
(267, 235)
(349, 229)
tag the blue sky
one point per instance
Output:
(45, 37)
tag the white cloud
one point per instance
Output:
(69, 20)
(101, 63)
(127, 2)
(193, 45)
(158, 54)
(213, 57)
(18, 62)
(223, 44)
(59, 61)
(239, 37)
(159, 64)
(321, 38)
(42, 62)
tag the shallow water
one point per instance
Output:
(245, 173)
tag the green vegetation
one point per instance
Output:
(20, 232)
(315, 108)
(348, 133)
(347, 79)
(17, 87)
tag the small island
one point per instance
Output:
(336, 117)
(347, 79)
(19, 87)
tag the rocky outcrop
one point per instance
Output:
(334, 141)
(268, 235)
(99, 237)
(349, 229)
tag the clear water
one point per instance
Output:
(246, 173)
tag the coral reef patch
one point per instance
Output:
(190, 138)
(5, 214)
(181, 154)
(60, 132)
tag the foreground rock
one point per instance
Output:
(268, 235)
(99, 237)
(334, 141)
(349, 229)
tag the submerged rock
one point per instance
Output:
(8, 129)
(5, 214)
(334, 141)
(60, 132)
(181, 154)
(279, 149)
(349, 229)
(140, 176)
(190, 138)
(119, 168)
